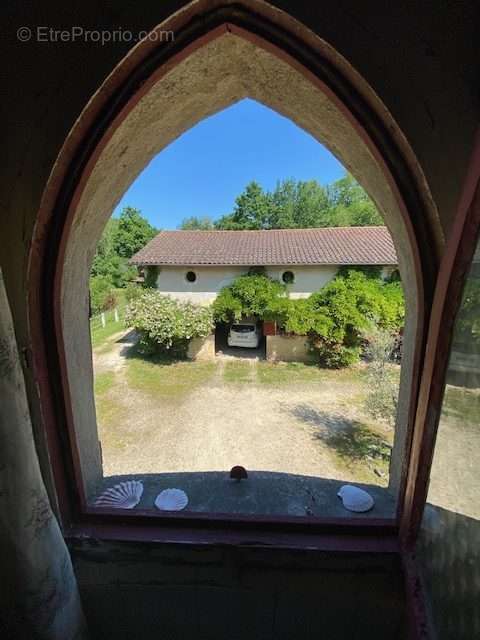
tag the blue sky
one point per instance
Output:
(202, 172)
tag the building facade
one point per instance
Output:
(194, 265)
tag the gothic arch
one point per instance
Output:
(155, 94)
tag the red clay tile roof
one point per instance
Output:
(333, 245)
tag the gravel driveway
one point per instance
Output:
(223, 422)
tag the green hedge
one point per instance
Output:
(250, 295)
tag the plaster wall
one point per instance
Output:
(160, 591)
(288, 349)
(172, 280)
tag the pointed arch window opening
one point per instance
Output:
(292, 91)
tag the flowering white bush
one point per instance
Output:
(165, 324)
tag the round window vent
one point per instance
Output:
(288, 277)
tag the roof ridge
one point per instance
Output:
(373, 226)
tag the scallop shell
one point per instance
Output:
(355, 499)
(171, 500)
(125, 495)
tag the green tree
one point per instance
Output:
(194, 223)
(353, 302)
(105, 252)
(132, 233)
(299, 204)
(253, 210)
(382, 396)
(467, 329)
(350, 205)
(102, 295)
(121, 238)
(107, 263)
(336, 319)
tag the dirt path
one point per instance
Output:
(112, 355)
(220, 424)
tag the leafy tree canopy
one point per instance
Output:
(252, 210)
(121, 238)
(467, 328)
(350, 205)
(194, 223)
(344, 310)
(297, 204)
(132, 233)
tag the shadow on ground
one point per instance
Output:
(351, 439)
(133, 350)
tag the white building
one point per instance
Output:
(195, 265)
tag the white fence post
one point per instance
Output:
(116, 314)
(102, 318)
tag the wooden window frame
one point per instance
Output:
(197, 24)
(453, 272)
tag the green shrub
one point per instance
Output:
(333, 355)
(102, 294)
(336, 317)
(133, 292)
(299, 316)
(381, 400)
(166, 325)
(250, 295)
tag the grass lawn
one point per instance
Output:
(238, 372)
(287, 373)
(104, 382)
(297, 373)
(101, 334)
(165, 379)
(109, 411)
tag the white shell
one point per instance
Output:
(125, 495)
(171, 500)
(355, 499)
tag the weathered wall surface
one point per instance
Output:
(288, 349)
(172, 280)
(163, 591)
